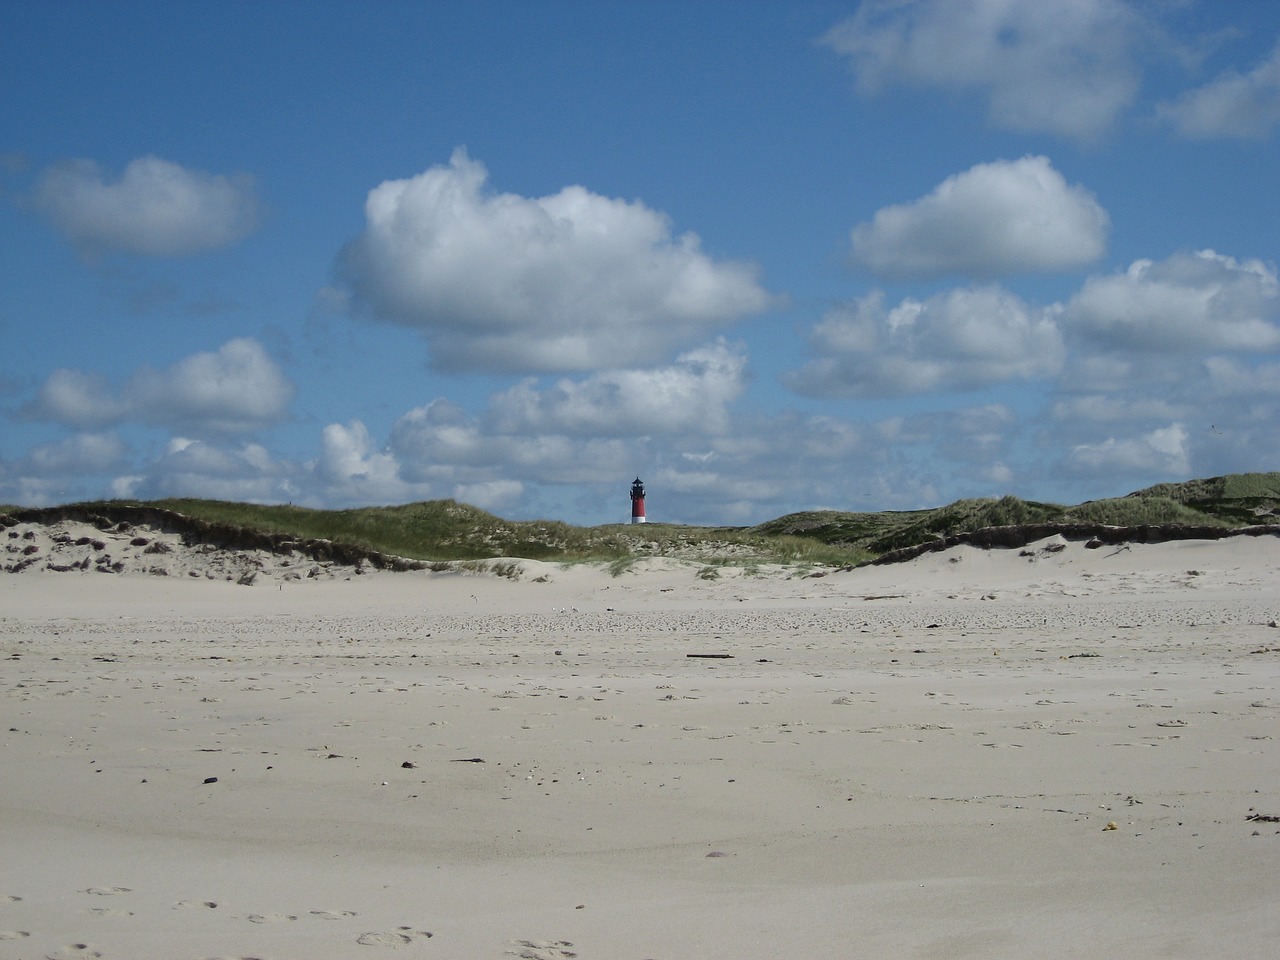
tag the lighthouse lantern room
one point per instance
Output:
(637, 502)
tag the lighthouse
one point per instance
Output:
(637, 502)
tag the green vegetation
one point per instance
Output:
(1232, 501)
(1235, 486)
(1141, 510)
(1238, 498)
(445, 530)
(432, 530)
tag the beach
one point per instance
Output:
(1056, 751)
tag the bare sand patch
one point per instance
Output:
(922, 760)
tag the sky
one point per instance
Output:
(766, 256)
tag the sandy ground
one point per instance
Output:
(1041, 753)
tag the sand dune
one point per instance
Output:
(1052, 751)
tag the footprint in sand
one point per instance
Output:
(13, 934)
(107, 891)
(188, 904)
(333, 914)
(109, 912)
(71, 951)
(394, 938)
(270, 917)
(10, 899)
(542, 949)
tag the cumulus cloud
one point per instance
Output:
(759, 467)
(78, 399)
(196, 468)
(157, 207)
(971, 444)
(443, 444)
(1063, 68)
(78, 455)
(691, 395)
(1138, 410)
(1188, 302)
(957, 340)
(994, 219)
(1235, 105)
(568, 282)
(1103, 408)
(352, 469)
(489, 494)
(1162, 452)
(236, 388)
(973, 435)
(1230, 378)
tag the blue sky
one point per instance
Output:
(769, 257)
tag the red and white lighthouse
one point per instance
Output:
(637, 502)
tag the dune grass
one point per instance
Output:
(1230, 501)
(428, 530)
(1135, 511)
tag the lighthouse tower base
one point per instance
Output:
(639, 520)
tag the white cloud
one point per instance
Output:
(992, 220)
(348, 472)
(712, 485)
(1186, 303)
(758, 468)
(1063, 68)
(998, 474)
(352, 470)
(691, 395)
(1250, 381)
(78, 399)
(442, 444)
(960, 339)
(490, 494)
(84, 453)
(1245, 106)
(156, 208)
(34, 491)
(237, 388)
(61, 471)
(973, 434)
(765, 467)
(194, 468)
(1162, 452)
(1161, 416)
(971, 444)
(1097, 408)
(568, 282)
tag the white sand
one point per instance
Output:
(902, 761)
